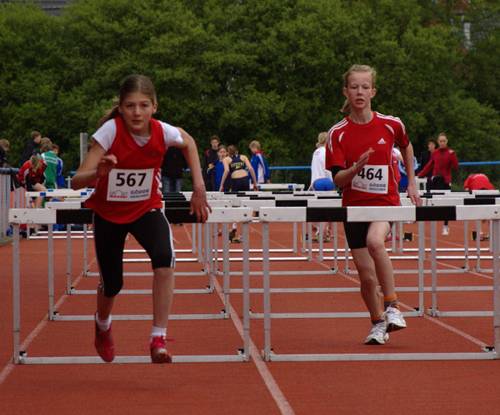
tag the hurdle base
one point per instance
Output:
(361, 357)
(351, 314)
(90, 360)
(223, 315)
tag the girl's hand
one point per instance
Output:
(106, 164)
(413, 194)
(199, 205)
(363, 159)
(255, 187)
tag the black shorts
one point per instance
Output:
(153, 233)
(240, 185)
(356, 233)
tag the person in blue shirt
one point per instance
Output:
(259, 163)
(219, 169)
(60, 181)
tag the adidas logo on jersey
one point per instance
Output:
(381, 141)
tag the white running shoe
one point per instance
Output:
(445, 231)
(378, 334)
(394, 319)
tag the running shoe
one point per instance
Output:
(394, 319)
(104, 344)
(158, 348)
(378, 334)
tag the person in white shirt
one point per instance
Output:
(321, 179)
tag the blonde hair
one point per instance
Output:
(4, 143)
(131, 84)
(36, 161)
(322, 139)
(255, 144)
(346, 108)
(45, 144)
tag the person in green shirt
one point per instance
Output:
(50, 160)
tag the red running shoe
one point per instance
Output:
(158, 348)
(104, 344)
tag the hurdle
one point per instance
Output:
(51, 216)
(363, 214)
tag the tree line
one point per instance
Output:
(253, 69)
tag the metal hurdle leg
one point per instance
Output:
(246, 291)
(478, 246)
(304, 235)
(85, 250)
(295, 237)
(267, 291)
(434, 309)
(50, 241)
(199, 236)
(207, 256)
(495, 236)
(309, 242)
(401, 236)
(466, 245)
(421, 267)
(16, 295)
(193, 237)
(320, 236)
(225, 267)
(335, 247)
(69, 259)
(393, 237)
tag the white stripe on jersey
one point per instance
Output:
(390, 128)
(390, 117)
(337, 126)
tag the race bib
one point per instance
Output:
(129, 185)
(372, 179)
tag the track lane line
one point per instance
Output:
(264, 372)
(10, 366)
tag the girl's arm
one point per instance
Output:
(251, 170)
(199, 204)
(95, 165)
(345, 176)
(225, 174)
(407, 154)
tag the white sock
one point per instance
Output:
(158, 332)
(103, 324)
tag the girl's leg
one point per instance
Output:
(369, 285)
(163, 293)
(385, 273)
(383, 265)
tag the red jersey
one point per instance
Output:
(375, 184)
(132, 187)
(27, 173)
(478, 181)
(442, 161)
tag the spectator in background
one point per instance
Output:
(237, 170)
(50, 160)
(4, 149)
(479, 181)
(259, 163)
(61, 183)
(443, 161)
(172, 169)
(219, 170)
(31, 176)
(425, 157)
(32, 146)
(210, 157)
(321, 180)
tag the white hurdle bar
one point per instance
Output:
(50, 216)
(370, 214)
